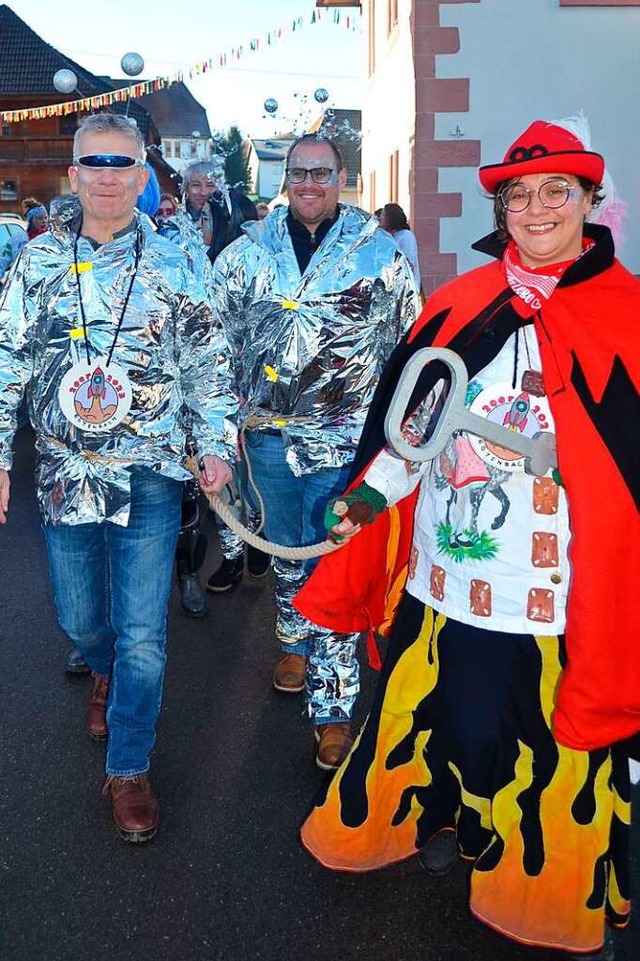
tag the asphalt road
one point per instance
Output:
(226, 879)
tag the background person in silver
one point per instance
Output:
(198, 186)
(201, 227)
(191, 229)
(312, 299)
(106, 295)
(190, 225)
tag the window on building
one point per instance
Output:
(394, 164)
(372, 37)
(193, 147)
(6, 130)
(8, 190)
(392, 15)
(167, 148)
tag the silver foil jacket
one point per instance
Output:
(182, 231)
(168, 345)
(307, 351)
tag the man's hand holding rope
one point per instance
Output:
(214, 474)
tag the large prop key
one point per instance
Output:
(539, 451)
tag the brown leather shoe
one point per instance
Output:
(290, 673)
(334, 743)
(96, 709)
(134, 807)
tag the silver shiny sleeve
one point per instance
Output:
(407, 295)
(181, 232)
(203, 371)
(15, 357)
(227, 289)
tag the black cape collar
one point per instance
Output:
(593, 262)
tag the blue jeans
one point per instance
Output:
(294, 515)
(111, 587)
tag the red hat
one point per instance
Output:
(544, 148)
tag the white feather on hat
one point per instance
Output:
(612, 211)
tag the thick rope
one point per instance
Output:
(278, 550)
(254, 540)
(228, 516)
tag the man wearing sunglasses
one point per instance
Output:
(108, 330)
(313, 299)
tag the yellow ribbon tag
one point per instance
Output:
(280, 423)
(76, 332)
(82, 268)
(289, 304)
(271, 373)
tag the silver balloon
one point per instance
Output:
(321, 95)
(270, 105)
(132, 64)
(65, 81)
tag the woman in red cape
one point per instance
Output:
(512, 675)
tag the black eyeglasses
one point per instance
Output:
(98, 160)
(552, 194)
(319, 175)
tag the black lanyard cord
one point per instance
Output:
(85, 331)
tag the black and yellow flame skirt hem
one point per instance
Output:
(459, 737)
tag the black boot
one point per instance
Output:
(258, 563)
(440, 854)
(191, 595)
(190, 552)
(228, 575)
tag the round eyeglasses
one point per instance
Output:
(552, 193)
(319, 175)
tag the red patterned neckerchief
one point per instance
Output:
(533, 285)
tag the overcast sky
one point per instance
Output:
(180, 35)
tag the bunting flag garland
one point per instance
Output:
(140, 89)
(87, 103)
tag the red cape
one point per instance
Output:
(589, 337)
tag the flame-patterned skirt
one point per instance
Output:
(459, 737)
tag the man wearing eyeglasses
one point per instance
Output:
(313, 299)
(107, 329)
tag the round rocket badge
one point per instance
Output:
(516, 411)
(95, 396)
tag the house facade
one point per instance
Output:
(344, 128)
(451, 83)
(185, 136)
(266, 164)
(35, 153)
(267, 157)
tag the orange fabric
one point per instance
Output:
(384, 802)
